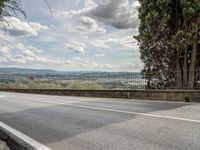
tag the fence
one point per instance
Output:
(112, 80)
(168, 80)
(99, 80)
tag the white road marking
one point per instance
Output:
(118, 111)
(36, 145)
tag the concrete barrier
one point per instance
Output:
(167, 95)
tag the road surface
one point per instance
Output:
(77, 123)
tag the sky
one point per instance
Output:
(74, 35)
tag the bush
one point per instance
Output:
(84, 85)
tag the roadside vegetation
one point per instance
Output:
(47, 85)
(87, 85)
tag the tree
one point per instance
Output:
(168, 37)
(185, 40)
(10, 8)
(156, 50)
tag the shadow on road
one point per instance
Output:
(58, 122)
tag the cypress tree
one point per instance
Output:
(168, 37)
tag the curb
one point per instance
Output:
(17, 140)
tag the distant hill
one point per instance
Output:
(46, 72)
(23, 71)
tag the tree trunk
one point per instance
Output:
(192, 69)
(179, 81)
(185, 68)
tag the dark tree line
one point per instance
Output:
(169, 37)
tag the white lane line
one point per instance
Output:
(119, 111)
(36, 145)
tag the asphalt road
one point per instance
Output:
(76, 123)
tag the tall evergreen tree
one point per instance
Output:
(185, 40)
(168, 37)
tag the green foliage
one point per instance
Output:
(10, 8)
(84, 85)
(87, 85)
(116, 85)
(178, 36)
(164, 26)
(48, 85)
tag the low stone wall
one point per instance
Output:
(167, 95)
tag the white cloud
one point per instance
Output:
(34, 49)
(25, 51)
(100, 54)
(131, 67)
(77, 47)
(18, 53)
(15, 27)
(99, 44)
(76, 12)
(121, 14)
(5, 50)
(95, 66)
(90, 3)
(3, 59)
(125, 41)
(90, 25)
(136, 4)
(26, 56)
(38, 27)
(88, 22)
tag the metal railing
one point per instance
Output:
(164, 80)
(112, 80)
(105, 80)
